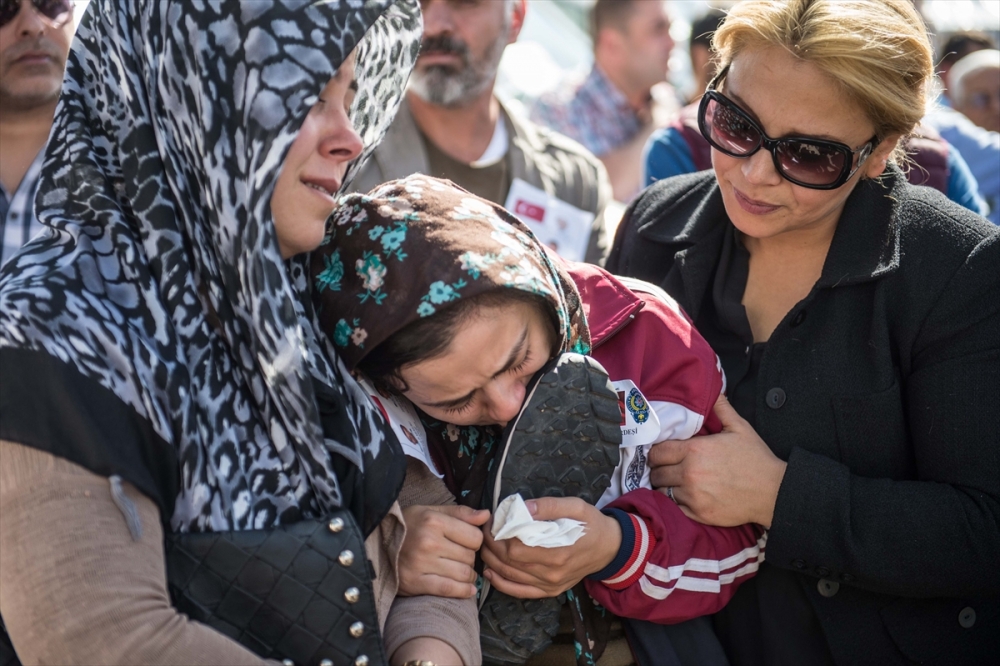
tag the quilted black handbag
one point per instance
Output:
(298, 593)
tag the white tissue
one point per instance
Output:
(512, 519)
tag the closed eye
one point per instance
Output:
(466, 406)
(520, 366)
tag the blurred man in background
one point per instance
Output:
(974, 83)
(957, 46)
(452, 126)
(625, 96)
(979, 146)
(34, 44)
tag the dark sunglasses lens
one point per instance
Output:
(8, 10)
(729, 130)
(810, 163)
(55, 10)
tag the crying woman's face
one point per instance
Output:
(313, 171)
(482, 377)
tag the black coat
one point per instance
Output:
(889, 511)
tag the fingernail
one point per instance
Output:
(532, 506)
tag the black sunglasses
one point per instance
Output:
(56, 11)
(814, 163)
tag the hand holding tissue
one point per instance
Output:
(512, 519)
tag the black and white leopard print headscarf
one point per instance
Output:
(160, 281)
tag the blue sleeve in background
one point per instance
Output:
(962, 186)
(666, 154)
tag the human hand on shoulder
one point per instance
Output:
(726, 479)
(533, 572)
(439, 550)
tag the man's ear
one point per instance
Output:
(876, 164)
(517, 19)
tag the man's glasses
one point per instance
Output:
(56, 11)
(814, 163)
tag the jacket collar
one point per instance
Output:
(691, 225)
(865, 245)
(608, 304)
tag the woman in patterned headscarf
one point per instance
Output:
(160, 334)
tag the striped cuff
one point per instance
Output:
(637, 544)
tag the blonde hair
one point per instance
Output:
(876, 50)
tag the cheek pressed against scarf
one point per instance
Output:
(154, 331)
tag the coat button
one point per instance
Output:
(362, 660)
(351, 595)
(828, 588)
(822, 572)
(326, 662)
(336, 525)
(775, 398)
(799, 564)
(799, 318)
(967, 617)
(357, 629)
(346, 558)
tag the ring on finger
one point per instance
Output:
(670, 494)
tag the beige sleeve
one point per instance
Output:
(422, 488)
(382, 548)
(454, 621)
(74, 587)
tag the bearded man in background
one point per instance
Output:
(451, 125)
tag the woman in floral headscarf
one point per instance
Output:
(442, 298)
(162, 374)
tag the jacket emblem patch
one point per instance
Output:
(637, 406)
(640, 425)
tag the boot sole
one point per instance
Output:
(564, 443)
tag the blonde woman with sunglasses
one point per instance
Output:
(857, 318)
